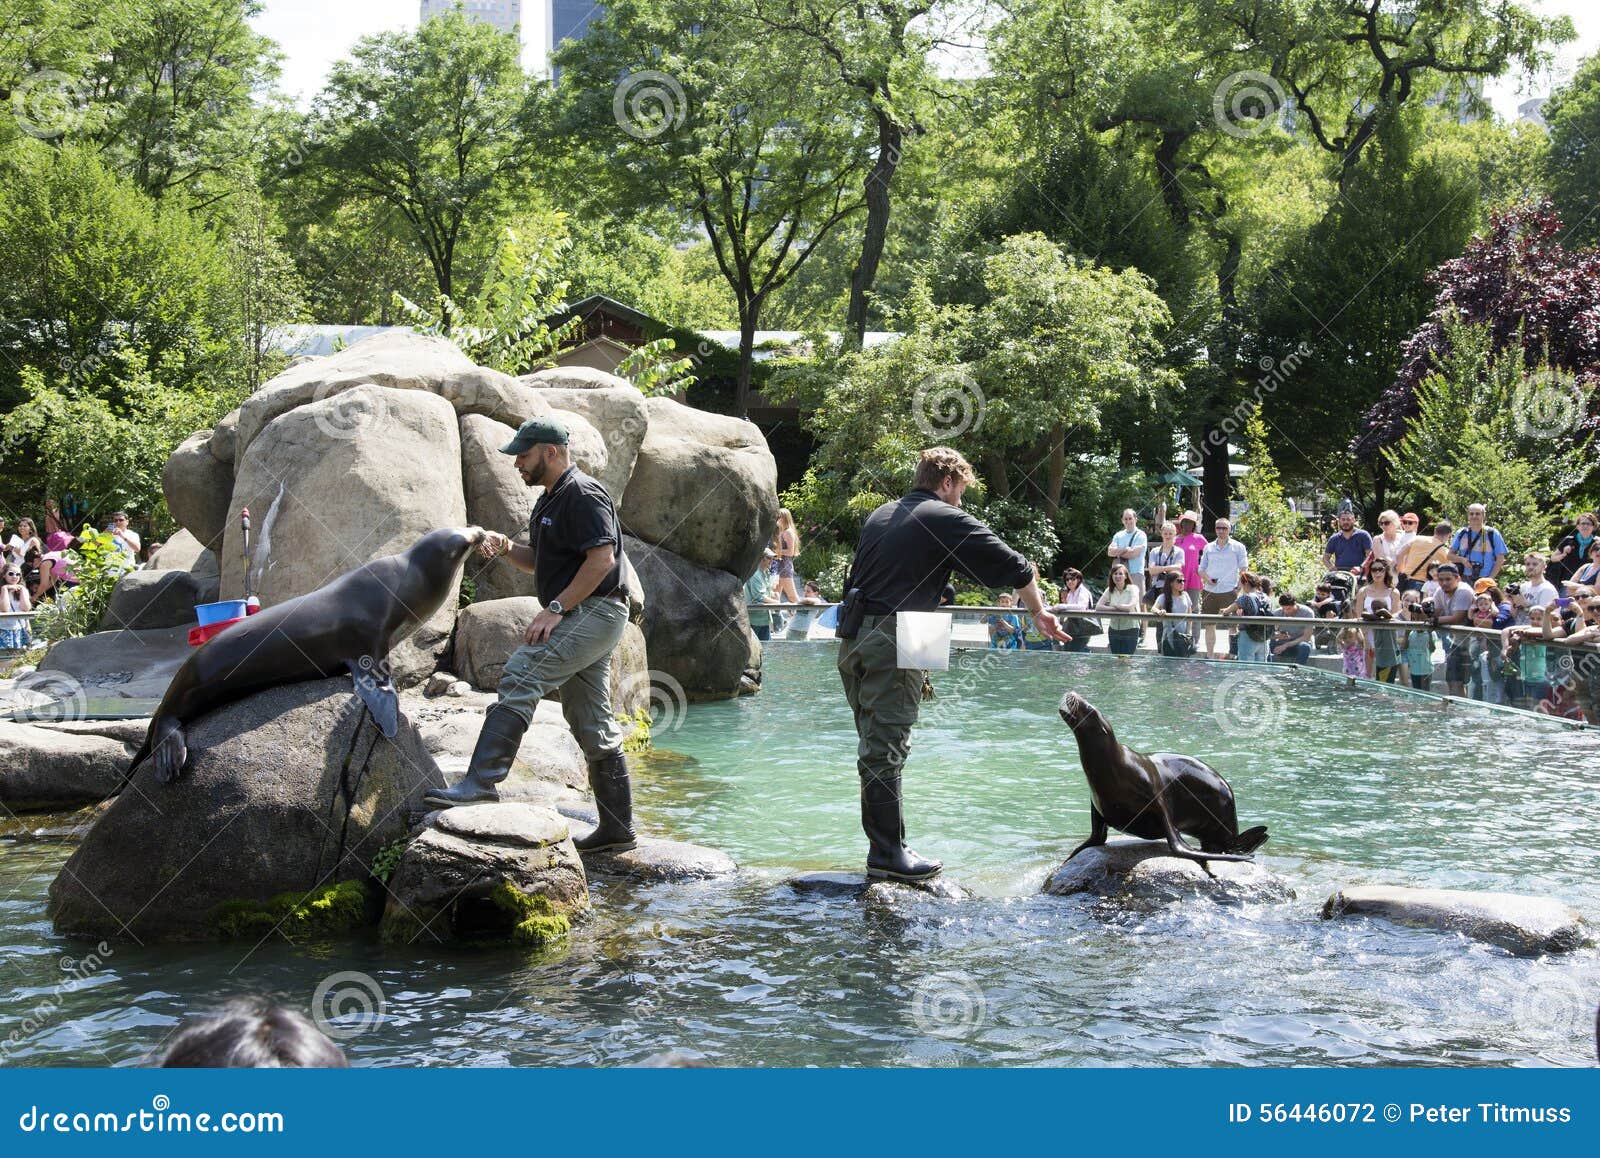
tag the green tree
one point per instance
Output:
(263, 282)
(435, 125)
(1573, 114)
(746, 133)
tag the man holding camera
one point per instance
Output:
(908, 548)
(1450, 608)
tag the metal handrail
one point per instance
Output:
(1279, 622)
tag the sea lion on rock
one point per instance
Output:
(1156, 796)
(349, 624)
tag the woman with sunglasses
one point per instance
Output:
(1379, 601)
(14, 634)
(1074, 601)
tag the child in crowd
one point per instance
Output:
(1353, 645)
(1416, 643)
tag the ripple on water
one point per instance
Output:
(1357, 787)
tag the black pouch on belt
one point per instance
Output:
(852, 610)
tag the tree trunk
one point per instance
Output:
(890, 140)
(747, 348)
(994, 465)
(1057, 471)
(1215, 483)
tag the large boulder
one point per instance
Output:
(183, 552)
(549, 763)
(488, 632)
(704, 486)
(487, 872)
(197, 485)
(288, 791)
(145, 599)
(1526, 926)
(47, 769)
(497, 498)
(400, 359)
(1142, 872)
(612, 405)
(696, 631)
(336, 483)
(123, 664)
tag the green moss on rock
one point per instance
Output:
(329, 911)
(535, 920)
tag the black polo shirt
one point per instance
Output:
(571, 517)
(910, 545)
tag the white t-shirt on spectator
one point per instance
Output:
(1540, 594)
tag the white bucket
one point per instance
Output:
(922, 640)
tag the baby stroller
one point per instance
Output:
(1341, 584)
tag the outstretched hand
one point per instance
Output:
(1050, 627)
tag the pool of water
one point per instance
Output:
(1358, 785)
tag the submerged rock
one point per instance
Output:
(288, 791)
(662, 860)
(857, 885)
(1527, 926)
(502, 872)
(1145, 871)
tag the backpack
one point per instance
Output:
(1256, 604)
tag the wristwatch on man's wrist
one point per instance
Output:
(555, 608)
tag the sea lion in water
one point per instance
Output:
(349, 624)
(1156, 796)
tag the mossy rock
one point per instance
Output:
(329, 911)
(536, 920)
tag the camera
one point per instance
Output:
(1429, 609)
(1513, 588)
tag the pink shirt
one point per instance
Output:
(1192, 546)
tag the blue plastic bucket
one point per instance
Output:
(208, 613)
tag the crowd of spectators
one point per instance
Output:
(37, 570)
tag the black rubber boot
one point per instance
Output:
(491, 761)
(888, 858)
(613, 800)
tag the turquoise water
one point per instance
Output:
(1357, 785)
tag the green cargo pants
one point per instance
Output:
(885, 699)
(577, 659)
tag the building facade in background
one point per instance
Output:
(506, 15)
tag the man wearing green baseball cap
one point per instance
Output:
(575, 551)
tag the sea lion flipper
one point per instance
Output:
(1249, 840)
(170, 751)
(378, 694)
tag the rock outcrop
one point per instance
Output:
(495, 872)
(147, 599)
(695, 627)
(197, 484)
(51, 769)
(705, 487)
(289, 793)
(1143, 872)
(336, 483)
(1526, 926)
